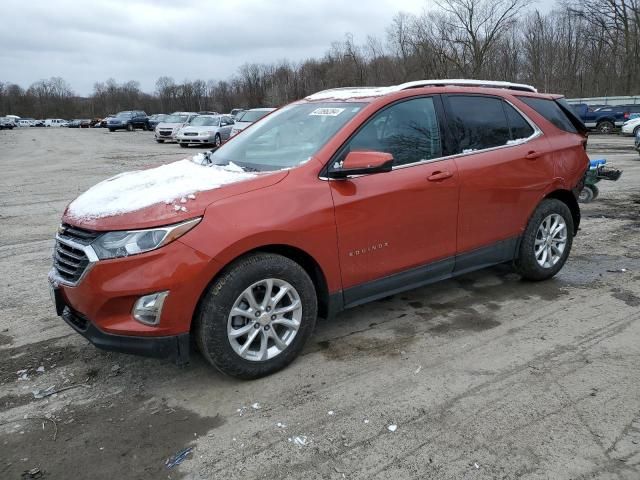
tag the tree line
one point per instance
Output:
(580, 49)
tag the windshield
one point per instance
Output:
(288, 137)
(252, 116)
(204, 122)
(175, 119)
(123, 115)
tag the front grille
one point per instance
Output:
(69, 258)
(165, 133)
(190, 134)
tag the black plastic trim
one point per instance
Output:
(499, 252)
(175, 348)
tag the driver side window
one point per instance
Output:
(408, 130)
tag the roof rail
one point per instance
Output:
(467, 83)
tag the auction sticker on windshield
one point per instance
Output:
(327, 112)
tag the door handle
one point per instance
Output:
(437, 176)
(532, 155)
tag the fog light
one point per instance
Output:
(148, 309)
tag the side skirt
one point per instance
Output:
(500, 252)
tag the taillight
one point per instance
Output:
(626, 115)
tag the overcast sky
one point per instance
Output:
(93, 40)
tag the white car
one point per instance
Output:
(631, 127)
(167, 130)
(246, 118)
(55, 122)
(206, 130)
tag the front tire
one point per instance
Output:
(159, 141)
(184, 145)
(255, 318)
(546, 243)
(217, 141)
(130, 127)
(112, 130)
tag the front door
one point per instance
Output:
(397, 229)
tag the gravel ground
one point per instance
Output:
(484, 376)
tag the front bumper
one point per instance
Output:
(107, 291)
(195, 139)
(171, 137)
(175, 347)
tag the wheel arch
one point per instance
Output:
(302, 258)
(570, 200)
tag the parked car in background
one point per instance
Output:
(605, 119)
(38, 123)
(206, 130)
(339, 199)
(637, 141)
(56, 122)
(7, 123)
(154, 120)
(207, 112)
(105, 120)
(129, 120)
(75, 123)
(167, 130)
(631, 127)
(247, 117)
(235, 112)
(24, 122)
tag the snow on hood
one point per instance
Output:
(348, 92)
(170, 184)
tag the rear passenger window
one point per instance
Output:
(550, 110)
(520, 128)
(408, 130)
(478, 122)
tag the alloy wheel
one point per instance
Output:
(551, 240)
(264, 320)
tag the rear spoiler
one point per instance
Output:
(568, 111)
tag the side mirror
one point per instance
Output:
(362, 163)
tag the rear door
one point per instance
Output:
(505, 165)
(397, 229)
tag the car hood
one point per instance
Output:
(198, 129)
(168, 125)
(139, 187)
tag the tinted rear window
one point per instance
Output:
(478, 122)
(551, 111)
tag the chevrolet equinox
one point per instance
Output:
(341, 198)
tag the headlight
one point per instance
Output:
(125, 243)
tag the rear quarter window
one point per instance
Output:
(551, 111)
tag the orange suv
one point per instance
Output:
(344, 197)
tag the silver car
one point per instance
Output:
(167, 130)
(206, 130)
(246, 118)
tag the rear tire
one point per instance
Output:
(546, 242)
(112, 130)
(184, 145)
(216, 330)
(159, 141)
(130, 127)
(635, 131)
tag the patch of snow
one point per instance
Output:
(132, 191)
(299, 440)
(515, 141)
(281, 425)
(346, 93)
(392, 428)
(256, 406)
(331, 412)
